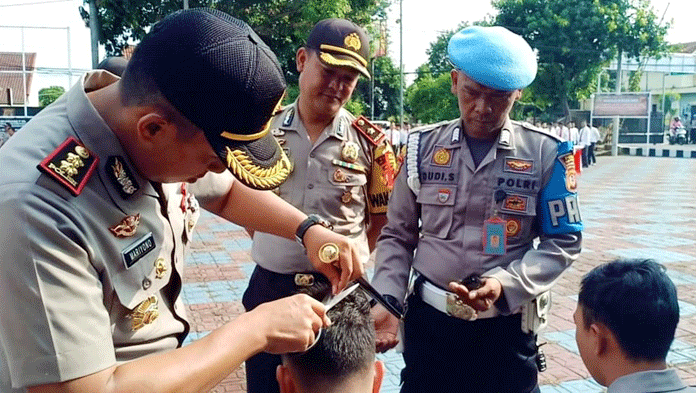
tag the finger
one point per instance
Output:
(346, 269)
(320, 311)
(459, 289)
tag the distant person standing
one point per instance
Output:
(584, 141)
(8, 131)
(595, 137)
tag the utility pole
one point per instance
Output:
(401, 65)
(94, 32)
(615, 133)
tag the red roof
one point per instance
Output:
(11, 76)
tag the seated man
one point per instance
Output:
(625, 321)
(343, 359)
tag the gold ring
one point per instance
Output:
(328, 253)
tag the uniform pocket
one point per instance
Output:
(437, 209)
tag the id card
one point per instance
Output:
(494, 236)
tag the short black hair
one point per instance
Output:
(637, 301)
(344, 349)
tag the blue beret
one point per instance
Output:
(494, 57)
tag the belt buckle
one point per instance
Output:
(458, 309)
(304, 280)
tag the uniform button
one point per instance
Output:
(310, 186)
(146, 283)
(312, 155)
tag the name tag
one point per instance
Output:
(138, 249)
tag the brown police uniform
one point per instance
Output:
(344, 177)
(92, 258)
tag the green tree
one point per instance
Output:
(282, 24)
(386, 89)
(430, 98)
(437, 52)
(576, 38)
(49, 94)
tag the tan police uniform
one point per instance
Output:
(341, 177)
(92, 253)
(437, 226)
(345, 176)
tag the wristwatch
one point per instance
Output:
(312, 219)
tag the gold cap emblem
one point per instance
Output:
(352, 41)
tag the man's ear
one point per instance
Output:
(600, 336)
(151, 127)
(284, 378)
(454, 74)
(379, 375)
(518, 94)
(301, 58)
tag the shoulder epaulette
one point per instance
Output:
(531, 127)
(369, 130)
(428, 127)
(71, 164)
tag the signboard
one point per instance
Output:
(622, 105)
(16, 122)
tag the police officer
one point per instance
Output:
(343, 172)
(483, 188)
(96, 215)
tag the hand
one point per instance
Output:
(346, 269)
(386, 328)
(480, 299)
(290, 324)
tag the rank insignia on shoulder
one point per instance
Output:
(127, 227)
(71, 164)
(121, 176)
(289, 117)
(369, 130)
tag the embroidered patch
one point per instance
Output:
(369, 130)
(340, 176)
(513, 226)
(138, 249)
(515, 203)
(121, 176)
(571, 180)
(71, 164)
(127, 227)
(518, 165)
(442, 157)
(443, 195)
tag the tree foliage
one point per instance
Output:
(49, 94)
(385, 79)
(282, 24)
(576, 38)
(430, 97)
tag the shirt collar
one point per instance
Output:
(647, 381)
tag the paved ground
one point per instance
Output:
(633, 207)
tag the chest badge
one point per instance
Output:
(160, 268)
(346, 197)
(340, 176)
(127, 227)
(515, 203)
(517, 165)
(513, 227)
(71, 164)
(442, 157)
(145, 313)
(349, 152)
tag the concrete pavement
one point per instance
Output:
(632, 207)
